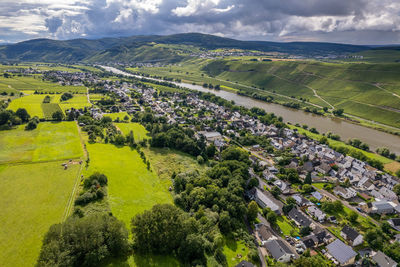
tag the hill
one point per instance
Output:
(141, 48)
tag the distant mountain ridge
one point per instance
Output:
(142, 48)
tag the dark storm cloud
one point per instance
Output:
(350, 21)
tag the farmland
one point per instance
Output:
(34, 197)
(139, 132)
(131, 187)
(49, 142)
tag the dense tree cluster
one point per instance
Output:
(65, 96)
(86, 241)
(9, 118)
(93, 189)
(97, 128)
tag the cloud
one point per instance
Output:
(348, 21)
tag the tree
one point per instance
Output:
(386, 228)
(86, 241)
(374, 238)
(308, 179)
(252, 211)
(305, 230)
(272, 217)
(338, 112)
(23, 114)
(353, 216)
(291, 200)
(393, 251)
(338, 205)
(57, 116)
(275, 191)
(396, 188)
(307, 188)
(65, 96)
(315, 261)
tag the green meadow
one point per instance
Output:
(33, 197)
(48, 142)
(139, 132)
(32, 104)
(118, 115)
(132, 188)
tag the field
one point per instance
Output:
(79, 101)
(32, 104)
(48, 142)
(35, 83)
(139, 132)
(49, 109)
(131, 187)
(33, 197)
(118, 115)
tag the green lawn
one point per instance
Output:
(139, 132)
(286, 227)
(48, 142)
(79, 101)
(131, 187)
(33, 197)
(233, 249)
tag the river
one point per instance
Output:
(346, 130)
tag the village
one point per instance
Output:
(306, 223)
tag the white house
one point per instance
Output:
(351, 235)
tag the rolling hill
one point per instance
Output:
(142, 48)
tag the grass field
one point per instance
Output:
(33, 197)
(286, 226)
(32, 104)
(120, 115)
(131, 187)
(79, 101)
(49, 142)
(49, 109)
(139, 132)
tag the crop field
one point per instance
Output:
(32, 103)
(79, 101)
(139, 132)
(33, 197)
(49, 109)
(132, 188)
(35, 83)
(49, 142)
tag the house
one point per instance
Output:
(395, 223)
(315, 240)
(299, 218)
(301, 201)
(266, 201)
(351, 235)
(388, 194)
(382, 260)
(317, 213)
(245, 264)
(278, 250)
(264, 233)
(345, 193)
(343, 253)
(284, 187)
(317, 195)
(381, 207)
(323, 168)
(211, 136)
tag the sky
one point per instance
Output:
(341, 21)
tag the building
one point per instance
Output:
(352, 236)
(395, 223)
(317, 195)
(299, 218)
(264, 233)
(382, 260)
(381, 207)
(279, 251)
(265, 201)
(318, 214)
(245, 264)
(345, 193)
(211, 136)
(343, 253)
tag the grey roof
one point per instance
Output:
(299, 217)
(340, 251)
(382, 205)
(350, 233)
(245, 264)
(277, 248)
(266, 200)
(382, 260)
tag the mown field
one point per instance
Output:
(49, 142)
(139, 132)
(118, 115)
(33, 197)
(370, 91)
